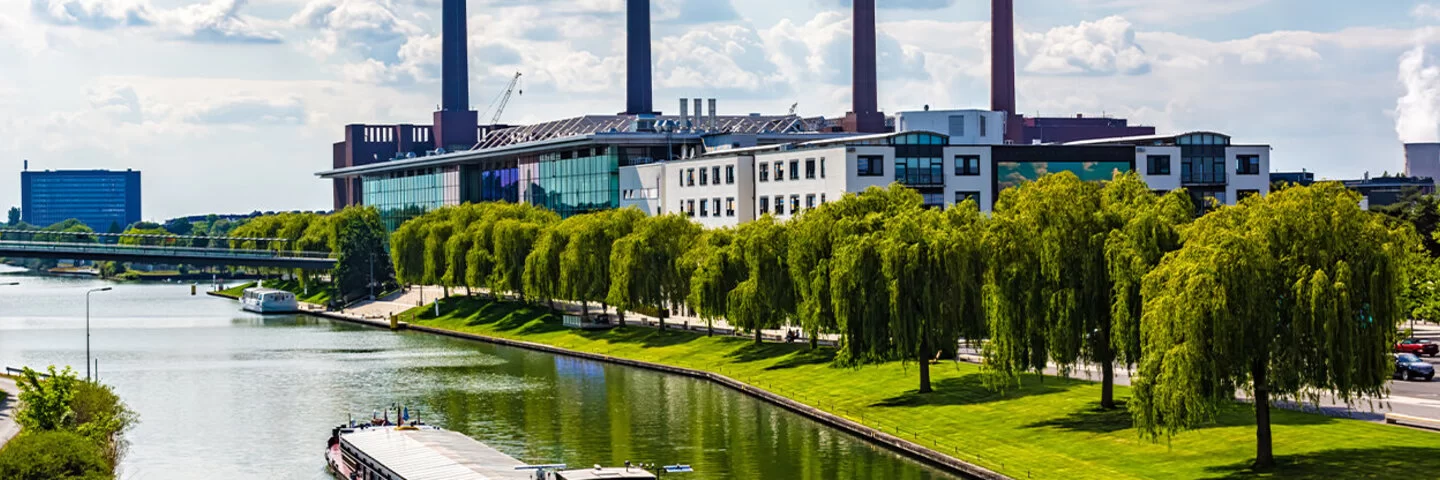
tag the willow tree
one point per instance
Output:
(514, 240)
(1143, 228)
(1047, 289)
(855, 277)
(1285, 297)
(644, 265)
(716, 269)
(812, 249)
(585, 262)
(542, 267)
(918, 263)
(407, 248)
(766, 297)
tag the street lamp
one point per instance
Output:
(87, 327)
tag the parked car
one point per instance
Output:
(1418, 346)
(1410, 367)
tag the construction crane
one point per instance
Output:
(794, 106)
(504, 99)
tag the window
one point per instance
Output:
(729, 174)
(794, 169)
(704, 208)
(690, 177)
(809, 168)
(870, 166)
(779, 205)
(764, 205)
(730, 206)
(779, 171)
(1158, 164)
(967, 165)
(682, 207)
(822, 199)
(961, 197)
(1248, 165)
(704, 176)
(822, 167)
(690, 205)
(715, 202)
(957, 125)
(764, 172)
(982, 126)
(794, 204)
(810, 201)
(920, 171)
(715, 174)
(681, 174)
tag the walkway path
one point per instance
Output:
(8, 427)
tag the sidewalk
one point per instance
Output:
(8, 427)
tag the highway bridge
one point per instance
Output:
(165, 255)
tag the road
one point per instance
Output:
(8, 427)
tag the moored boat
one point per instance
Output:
(269, 300)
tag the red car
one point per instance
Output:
(1418, 347)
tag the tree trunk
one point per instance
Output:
(924, 368)
(663, 314)
(1107, 385)
(814, 340)
(584, 309)
(1264, 455)
(620, 313)
(758, 339)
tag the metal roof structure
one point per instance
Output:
(591, 124)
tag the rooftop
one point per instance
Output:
(591, 124)
(436, 455)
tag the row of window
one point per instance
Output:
(640, 193)
(929, 168)
(1245, 165)
(794, 203)
(687, 177)
(709, 208)
(810, 170)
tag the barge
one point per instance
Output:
(269, 300)
(414, 451)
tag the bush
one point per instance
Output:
(41, 455)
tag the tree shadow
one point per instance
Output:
(971, 390)
(808, 356)
(1385, 462)
(752, 352)
(1092, 419)
(644, 336)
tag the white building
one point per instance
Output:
(729, 187)
(964, 127)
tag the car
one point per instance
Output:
(1418, 346)
(1408, 367)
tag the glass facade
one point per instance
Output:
(1202, 158)
(918, 160)
(574, 182)
(1012, 174)
(100, 199)
(400, 196)
(490, 182)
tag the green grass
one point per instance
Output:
(1048, 428)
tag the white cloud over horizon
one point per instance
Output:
(186, 91)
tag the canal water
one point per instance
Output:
(231, 395)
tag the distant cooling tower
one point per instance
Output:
(1422, 160)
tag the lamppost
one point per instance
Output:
(87, 327)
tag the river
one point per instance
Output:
(227, 394)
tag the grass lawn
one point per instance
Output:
(319, 294)
(1049, 428)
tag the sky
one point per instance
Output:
(230, 106)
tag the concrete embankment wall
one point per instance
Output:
(905, 447)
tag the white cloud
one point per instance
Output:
(1426, 11)
(1102, 47)
(1417, 112)
(218, 21)
(94, 14)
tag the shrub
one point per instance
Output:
(41, 455)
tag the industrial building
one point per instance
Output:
(726, 169)
(101, 199)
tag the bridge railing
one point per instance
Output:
(160, 250)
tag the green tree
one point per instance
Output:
(812, 249)
(12, 218)
(153, 237)
(362, 262)
(180, 226)
(46, 400)
(514, 240)
(542, 267)
(408, 245)
(51, 455)
(644, 265)
(1289, 296)
(766, 297)
(717, 268)
(585, 262)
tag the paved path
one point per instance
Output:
(8, 427)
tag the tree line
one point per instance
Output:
(1284, 296)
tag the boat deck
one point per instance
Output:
(436, 455)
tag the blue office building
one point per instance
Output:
(99, 198)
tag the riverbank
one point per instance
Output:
(1047, 428)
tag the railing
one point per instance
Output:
(160, 250)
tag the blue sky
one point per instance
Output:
(232, 105)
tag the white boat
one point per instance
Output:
(269, 300)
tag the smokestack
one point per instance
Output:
(700, 114)
(865, 116)
(684, 113)
(456, 125)
(638, 98)
(1002, 67)
(714, 123)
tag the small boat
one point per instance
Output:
(269, 300)
(412, 450)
